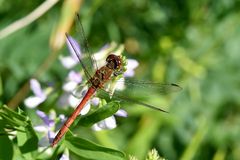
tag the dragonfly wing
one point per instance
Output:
(85, 49)
(75, 49)
(140, 90)
(160, 88)
(80, 91)
(120, 97)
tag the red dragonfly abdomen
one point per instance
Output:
(76, 112)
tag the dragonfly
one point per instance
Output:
(114, 67)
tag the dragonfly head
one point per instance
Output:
(114, 62)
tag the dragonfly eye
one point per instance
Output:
(114, 62)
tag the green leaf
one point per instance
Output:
(26, 137)
(27, 140)
(12, 118)
(103, 112)
(90, 150)
(6, 147)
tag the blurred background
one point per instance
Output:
(192, 43)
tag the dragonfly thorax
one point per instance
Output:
(101, 76)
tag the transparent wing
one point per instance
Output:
(140, 90)
(119, 96)
(75, 49)
(160, 88)
(87, 55)
(80, 91)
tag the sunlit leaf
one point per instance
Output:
(103, 112)
(90, 150)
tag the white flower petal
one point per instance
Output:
(51, 136)
(75, 76)
(95, 101)
(73, 101)
(131, 65)
(64, 157)
(41, 128)
(120, 84)
(33, 101)
(85, 109)
(69, 86)
(68, 62)
(108, 123)
(62, 117)
(121, 113)
(95, 127)
(129, 73)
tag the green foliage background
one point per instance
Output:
(192, 43)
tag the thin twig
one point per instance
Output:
(21, 23)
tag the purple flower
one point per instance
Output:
(47, 128)
(40, 95)
(73, 95)
(73, 47)
(131, 65)
(71, 84)
(49, 122)
(95, 101)
(73, 80)
(121, 113)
